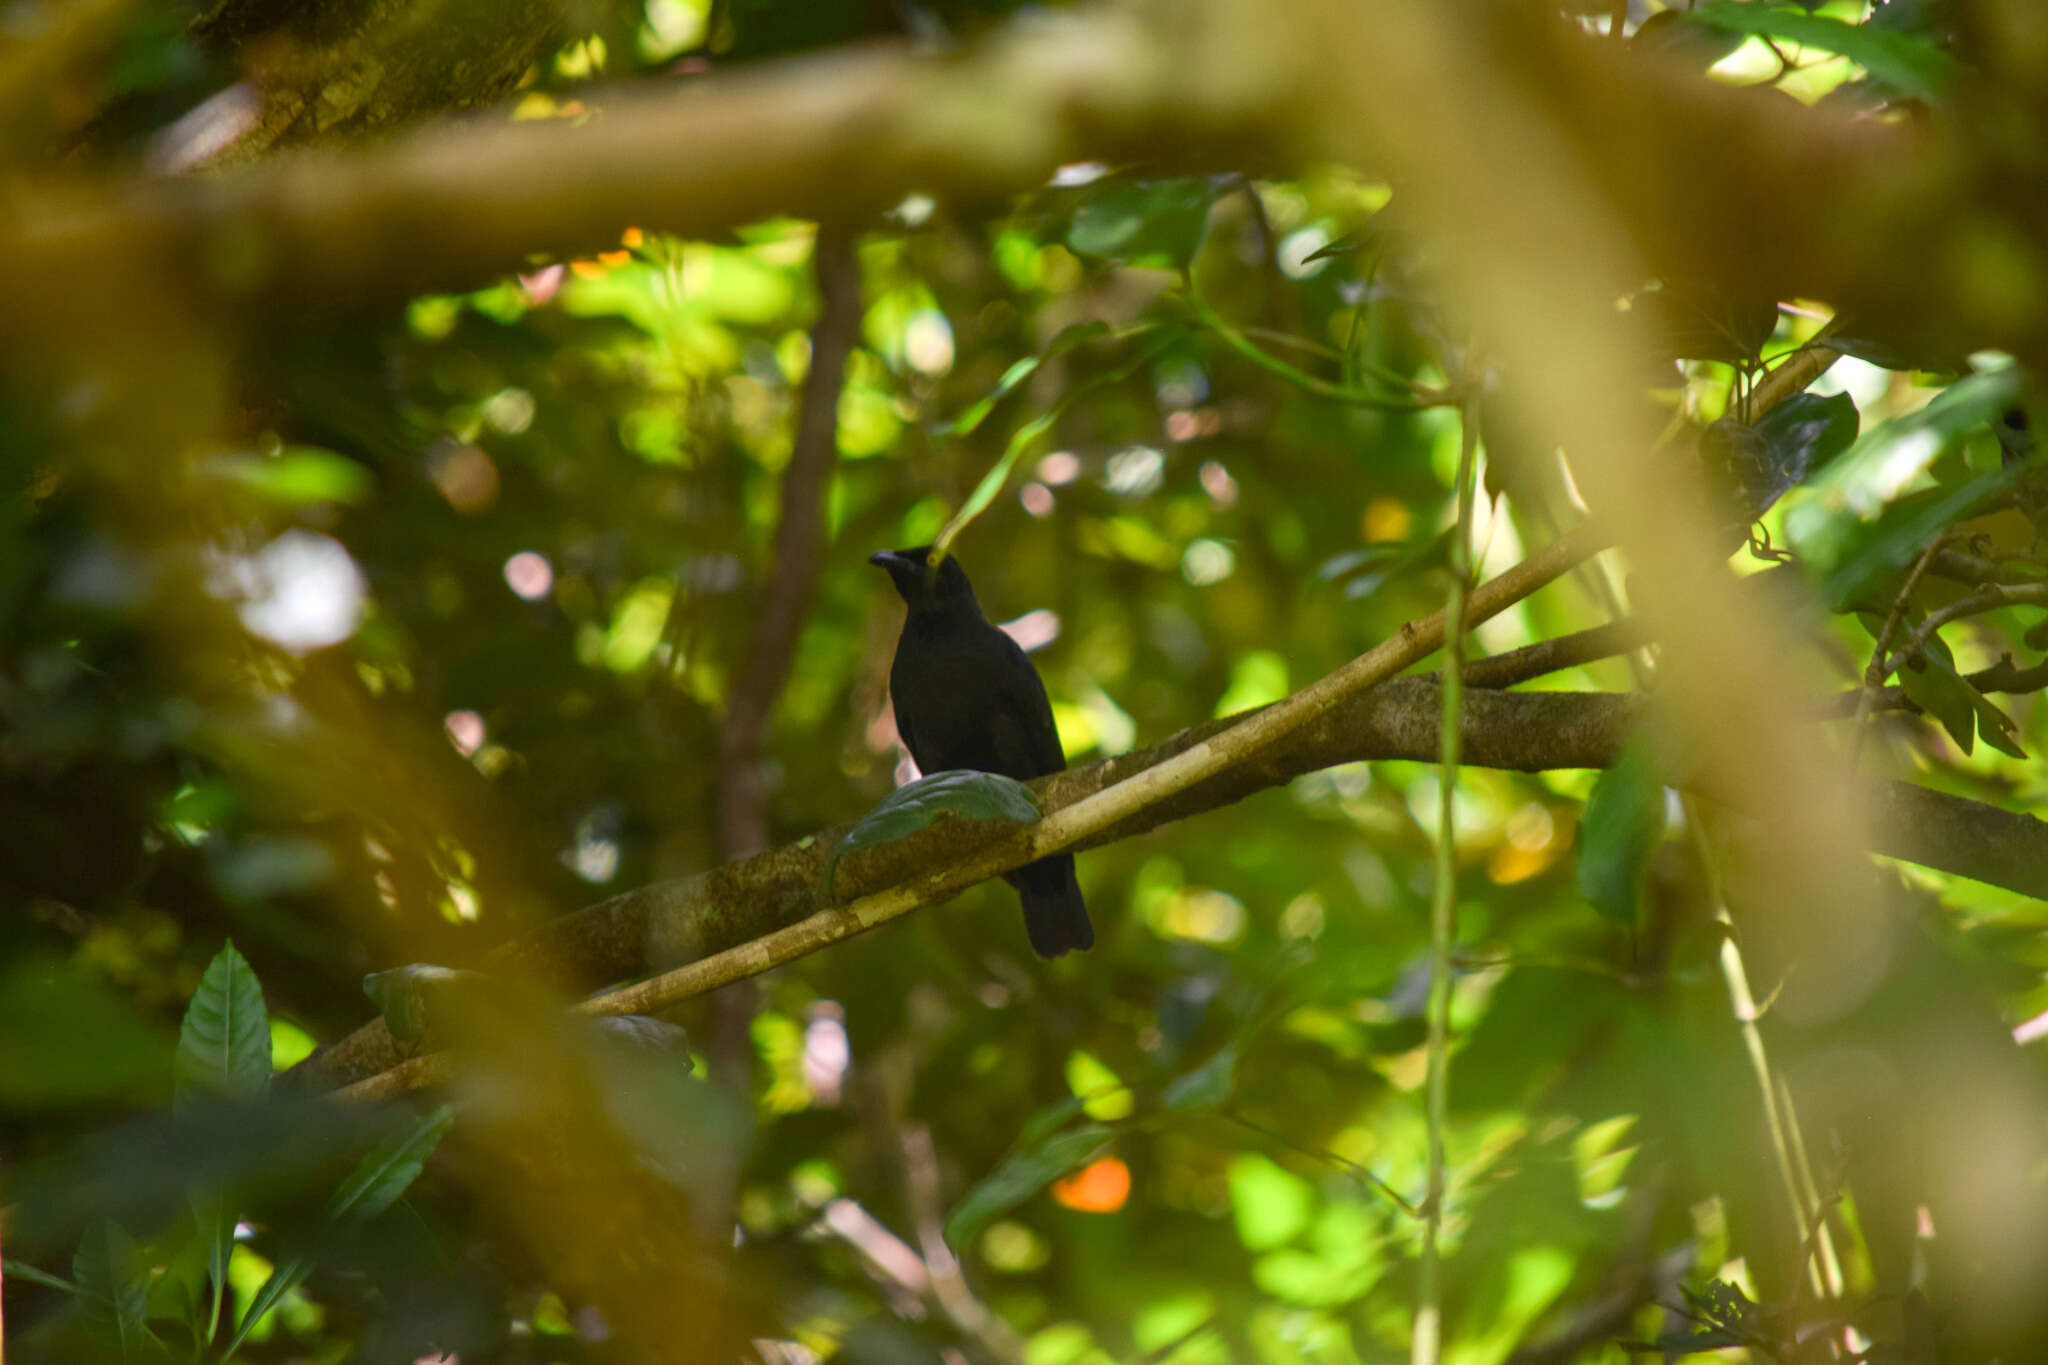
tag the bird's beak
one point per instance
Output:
(889, 559)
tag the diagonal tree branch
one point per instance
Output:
(735, 906)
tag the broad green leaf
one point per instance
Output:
(1013, 378)
(409, 996)
(1865, 516)
(1936, 688)
(224, 1043)
(1623, 825)
(1205, 1087)
(1909, 65)
(1800, 436)
(224, 1051)
(908, 809)
(383, 1174)
(390, 1167)
(215, 1226)
(1143, 222)
(1021, 1175)
(112, 1284)
(1872, 554)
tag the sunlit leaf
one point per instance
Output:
(1022, 1174)
(1271, 1204)
(1907, 64)
(1623, 825)
(963, 793)
(299, 476)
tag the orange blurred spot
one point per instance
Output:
(588, 270)
(615, 257)
(632, 236)
(1099, 1187)
(1385, 519)
(1507, 864)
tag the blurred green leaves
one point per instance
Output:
(1144, 223)
(1623, 825)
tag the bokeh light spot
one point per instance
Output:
(529, 575)
(465, 731)
(1101, 1186)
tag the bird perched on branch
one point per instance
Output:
(967, 697)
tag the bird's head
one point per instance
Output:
(924, 577)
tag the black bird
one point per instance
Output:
(967, 697)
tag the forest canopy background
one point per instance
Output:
(442, 443)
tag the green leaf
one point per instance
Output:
(383, 1174)
(908, 809)
(1020, 1176)
(409, 996)
(224, 1043)
(298, 476)
(1205, 1087)
(1865, 515)
(22, 1270)
(1143, 222)
(1936, 688)
(1909, 65)
(1623, 825)
(112, 1284)
(1800, 436)
(389, 1168)
(1013, 378)
(288, 1275)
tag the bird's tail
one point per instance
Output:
(1055, 916)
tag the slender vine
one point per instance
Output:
(1425, 1347)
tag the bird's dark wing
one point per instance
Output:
(1027, 742)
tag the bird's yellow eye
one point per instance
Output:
(932, 558)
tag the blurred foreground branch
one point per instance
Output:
(1184, 85)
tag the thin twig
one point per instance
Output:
(1364, 1173)
(1550, 656)
(1990, 597)
(1880, 668)
(1792, 375)
(1420, 396)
